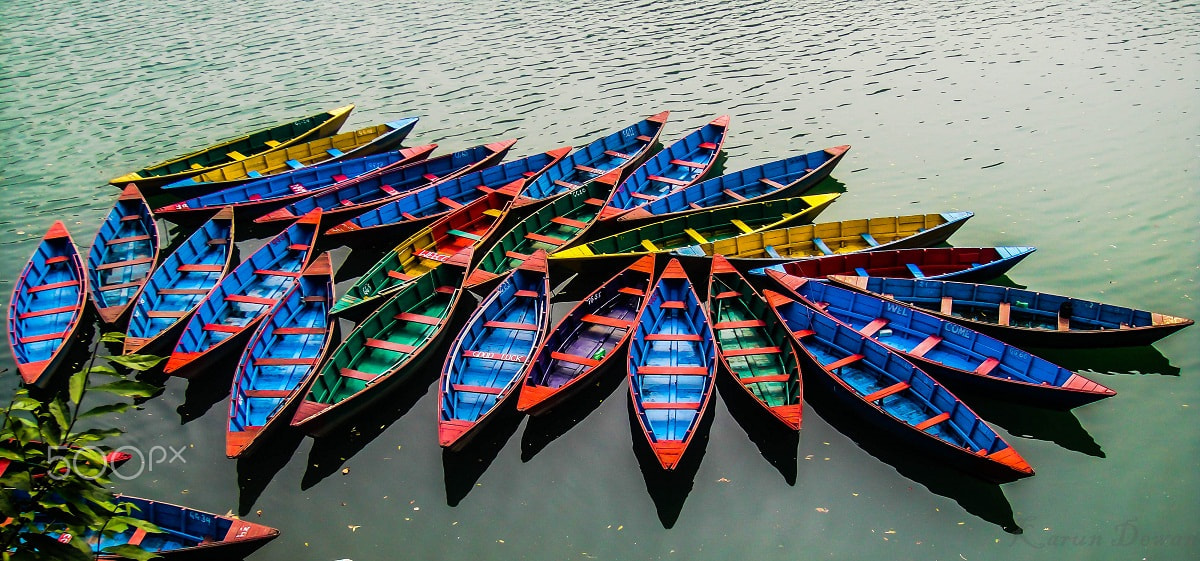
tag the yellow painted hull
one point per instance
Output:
(157, 174)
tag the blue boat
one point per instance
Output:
(957, 356)
(419, 207)
(490, 355)
(893, 395)
(262, 195)
(46, 306)
(621, 150)
(243, 298)
(176, 288)
(790, 177)
(354, 144)
(678, 166)
(672, 359)
(186, 533)
(278, 365)
(123, 253)
(364, 193)
(1023, 317)
(960, 263)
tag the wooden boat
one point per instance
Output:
(586, 339)
(187, 533)
(957, 356)
(243, 298)
(259, 142)
(682, 233)
(492, 352)
(342, 146)
(753, 344)
(267, 193)
(1023, 317)
(177, 287)
(621, 150)
(671, 365)
(387, 347)
(46, 306)
(281, 360)
(781, 245)
(893, 395)
(785, 178)
(680, 165)
(982, 263)
(435, 201)
(366, 192)
(122, 256)
(555, 225)
(428, 249)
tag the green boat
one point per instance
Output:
(237, 149)
(680, 235)
(469, 226)
(753, 344)
(387, 346)
(555, 225)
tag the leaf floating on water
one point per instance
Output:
(353, 528)
(822, 509)
(890, 532)
(723, 480)
(345, 471)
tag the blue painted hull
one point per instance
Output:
(176, 288)
(677, 167)
(790, 177)
(46, 306)
(895, 396)
(492, 352)
(281, 359)
(262, 195)
(671, 366)
(957, 356)
(425, 205)
(617, 151)
(122, 255)
(243, 298)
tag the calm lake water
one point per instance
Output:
(1070, 126)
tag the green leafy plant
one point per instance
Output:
(54, 484)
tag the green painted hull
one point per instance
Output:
(385, 347)
(552, 227)
(758, 353)
(682, 233)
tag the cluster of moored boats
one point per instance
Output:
(867, 307)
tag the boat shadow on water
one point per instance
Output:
(670, 489)
(1039, 423)
(256, 470)
(541, 430)
(978, 497)
(392, 401)
(462, 469)
(1144, 360)
(204, 391)
(778, 444)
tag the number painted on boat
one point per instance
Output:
(897, 309)
(297, 188)
(494, 356)
(241, 533)
(629, 131)
(462, 154)
(1017, 353)
(958, 329)
(592, 299)
(199, 517)
(424, 253)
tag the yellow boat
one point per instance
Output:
(779, 245)
(374, 139)
(680, 235)
(240, 148)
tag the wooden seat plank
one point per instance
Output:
(843, 362)
(932, 421)
(892, 389)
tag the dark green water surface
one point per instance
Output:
(1070, 126)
